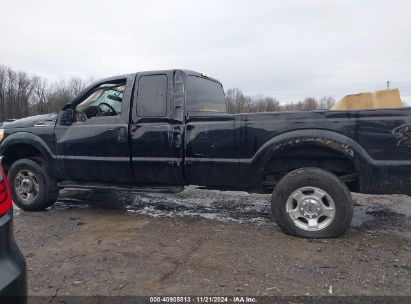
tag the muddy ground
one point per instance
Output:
(208, 243)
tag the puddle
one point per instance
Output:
(379, 213)
(397, 232)
(383, 214)
(238, 207)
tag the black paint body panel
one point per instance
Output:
(215, 150)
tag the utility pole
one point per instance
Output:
(388, 84)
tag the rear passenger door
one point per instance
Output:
(156, 143)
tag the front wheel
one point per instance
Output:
(312, 203)
(32, 187)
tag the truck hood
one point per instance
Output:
(33, 121)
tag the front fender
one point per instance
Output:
(28, 139)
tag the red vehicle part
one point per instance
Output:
(5, 196)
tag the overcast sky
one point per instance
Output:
(287, 49)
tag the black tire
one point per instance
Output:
(47, 186)
(321, 179)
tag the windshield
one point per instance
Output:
(204, 95)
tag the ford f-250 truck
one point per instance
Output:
(162, 130)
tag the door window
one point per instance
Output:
(105, 100)
(152, 96)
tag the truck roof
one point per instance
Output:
(113, 78)
(185, 71)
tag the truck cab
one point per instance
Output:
(130, 129)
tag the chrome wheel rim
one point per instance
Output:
(26, 186)
(310, 208)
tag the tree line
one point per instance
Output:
(23, 94)
(238, 102)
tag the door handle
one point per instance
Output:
(177, 136)
(135, 127)
(121, 133)
(178, 129)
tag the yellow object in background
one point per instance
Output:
(370, 100)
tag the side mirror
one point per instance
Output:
(67, 118)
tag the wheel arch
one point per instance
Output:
(24, 145)
(330, 144)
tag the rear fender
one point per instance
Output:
(300, 138)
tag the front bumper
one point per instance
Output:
(13, 276)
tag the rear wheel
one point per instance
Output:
(312, 203)
(32, 187)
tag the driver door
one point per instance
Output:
(95, 147)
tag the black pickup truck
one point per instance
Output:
(162, 130)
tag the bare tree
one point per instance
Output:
(22, 95)
(326, 102)
(238, 102)
(3, 86)
(309, 104)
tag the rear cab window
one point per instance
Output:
(204, 95)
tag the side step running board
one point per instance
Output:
(91, 186)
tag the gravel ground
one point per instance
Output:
(201, 242)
